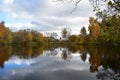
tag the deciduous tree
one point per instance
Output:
(94, 28)
(66, 32)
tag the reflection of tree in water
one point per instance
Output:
(66, 55)
(95, 61)
(27, 52)
(5, 53)
(3, 58)
(83, 51)
(51, 52)
(84, 55)
(73, 48)
(107, 57)
(64, 52)
(22, 52)
(107, 74)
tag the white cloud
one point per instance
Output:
(14, 15)
(19, 26)
(17, 61)
(8, 2)
(46, 15)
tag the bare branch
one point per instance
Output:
(76, 5)
(75, 2)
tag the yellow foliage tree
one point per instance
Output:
(94, 28)
(74, 38)
(30, 36)
(5, 34)
(41, 37)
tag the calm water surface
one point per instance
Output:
(60, 63)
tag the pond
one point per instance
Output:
(60, 63)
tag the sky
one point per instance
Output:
(45, 15)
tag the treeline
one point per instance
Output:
(22, 37)
(104, 32)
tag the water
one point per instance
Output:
(60, 63)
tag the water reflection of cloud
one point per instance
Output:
(76, 54)
(44, 67)
(15, 62)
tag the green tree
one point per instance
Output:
(74, 38)
(83, 35)
(83, 31)
(110, 29)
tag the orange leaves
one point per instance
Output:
(94, 27)
(5, 34)
(3, 31)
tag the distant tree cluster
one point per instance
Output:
(27, 37)
(24, 37)
(21, 37)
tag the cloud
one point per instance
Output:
(46, 15)
(8, 2)
(19, 26)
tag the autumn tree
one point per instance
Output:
(37, 36)
(2, 24)
(94, 28)
(21, 37)
(110, 29)
(41, 37)
(27, 37)
(5, 34)
(8, 37)
(66, 32)
(74, 38)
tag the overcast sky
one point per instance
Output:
(44, 15)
